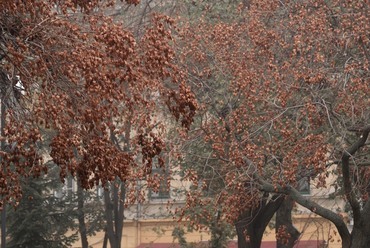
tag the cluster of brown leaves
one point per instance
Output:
(279, 89)
(92, 89)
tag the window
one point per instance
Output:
(70, 186)
(99, 192)
(304, 186)
(67, 190)
(163, 189)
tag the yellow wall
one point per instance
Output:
(160, 231)
(147, 231)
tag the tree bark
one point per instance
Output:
(109, 218)
(114, 212)
(360, 235)
(81, 215)
(252, 223)
(335, 218)
(284, 220)
(105, 242)
(361, 229)
(241, 230)
(114, 197)
(3, 120)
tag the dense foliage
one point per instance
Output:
(42, 218)
(85, 84)
(282, 87)
(91, 91)
(284, 95)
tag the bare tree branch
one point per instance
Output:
(311, 205)
(347, 154)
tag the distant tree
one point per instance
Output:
(86, 76)
(283, 95)
(42, 218)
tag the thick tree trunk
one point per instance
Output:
(109, 219)
(81, 215)
(360, 238)
(114, 212)
(360, 235)
(252, 224)
(241, 237)
(284, 220)
(255, 233)
(114, 198)
(2, 123)
(241, 231)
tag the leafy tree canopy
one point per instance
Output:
(85, 78)
(284, 95)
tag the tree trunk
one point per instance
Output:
(360, 236)
(250, 232)
(105, 242)
(109, 218)
(114, 197)
(252, 223)
(284, 220)
(3, 210)
(241, 232)
(114, 212)
(3, 226)
(335, 218)
(81, 215)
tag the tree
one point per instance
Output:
(41, 219)
(89, 211)
(211, 83)
(84, 78)
(294, 97)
